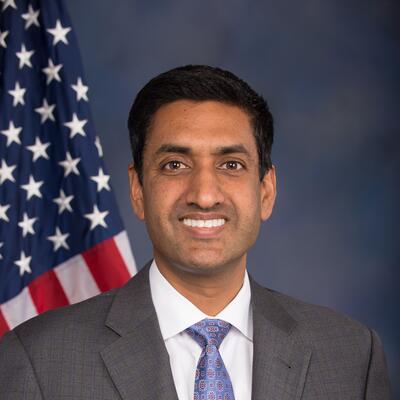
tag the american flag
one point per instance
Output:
(61, 237)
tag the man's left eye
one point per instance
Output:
(232, 165)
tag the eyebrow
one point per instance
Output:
(221, 150)
(236, 148)
(173, 148)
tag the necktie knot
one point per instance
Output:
(209, 332)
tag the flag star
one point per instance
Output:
(102, 180)
(76, 126)
(97, 218)
(81, 90)
(3, 212)
(6, 172)
(8, 3)
(59, 33)
(23, 264)
(70, 165)
(17, 94)
(3, 36)
(1, 245)
(12, 133)
(39, 149)
(63, 202)
(32, 188)
(31, 17)
(52, 71)
(59, 239)
(46, 111)
(27, 225)
(98, 146)
(24, 57)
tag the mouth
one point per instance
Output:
(204, 226)
(204, 223)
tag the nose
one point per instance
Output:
(204, 189)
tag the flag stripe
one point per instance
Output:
(19, 309)
(3, 325)
(99, 258)
(124, 247)
(61, 287)
(76, 289)
(47, 293)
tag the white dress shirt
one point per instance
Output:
(175, 313)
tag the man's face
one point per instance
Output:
(201, 198)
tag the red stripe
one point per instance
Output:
(106, 265)
(3, 325)
(47, 292)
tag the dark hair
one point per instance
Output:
(199, 83)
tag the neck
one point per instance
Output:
(210, 292)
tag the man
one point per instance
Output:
(192, 323)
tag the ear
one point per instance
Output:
(268, 193)
(136, 192)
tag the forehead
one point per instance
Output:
(200, 125)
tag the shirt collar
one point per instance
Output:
(175, 312)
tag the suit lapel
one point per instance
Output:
(280, 361)
(138, 361)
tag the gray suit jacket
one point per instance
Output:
(110, 347)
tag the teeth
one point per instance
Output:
(201, 223)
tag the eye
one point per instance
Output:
(174, 165)
(232, 165)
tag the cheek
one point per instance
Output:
(164, 193)
(249, 199)
(247, 205)
(251, 213)
(159, 201)
(156, 224)
(154, 209)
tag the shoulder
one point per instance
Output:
(316, 324)
(58, 340)
(345, 352)
(66, 323)
(314, 316)
(86, 323)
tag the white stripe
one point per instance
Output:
(76, 279)
(19, 309)
(124, 247)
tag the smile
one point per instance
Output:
(204, 223)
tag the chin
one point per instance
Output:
(204, 265)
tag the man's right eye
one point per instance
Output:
(174, 165)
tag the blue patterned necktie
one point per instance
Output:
(212, 380)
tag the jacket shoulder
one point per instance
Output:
(85, 318)
(347, 356)
(313, 315)
(318, 324)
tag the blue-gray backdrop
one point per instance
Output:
(331, 73)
